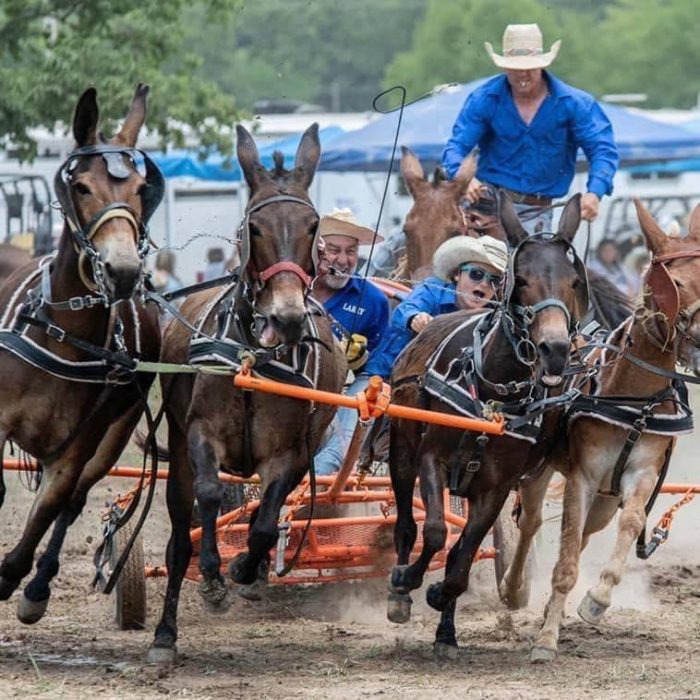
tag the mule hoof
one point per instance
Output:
(542, 655)
(239, 572)
(448, 652)
(435, 597)
(215, 595)
(161, 655)
(396, 584)
(517, 600)
(252, 592)
(399, 607)
(590, 610)
(29, 611)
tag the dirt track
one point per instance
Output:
(334, 641)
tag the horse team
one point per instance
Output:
(73, 323)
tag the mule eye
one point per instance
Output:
(81, 188)
(254, 230)
(576, 284)
(521, 281)
(677, 283)
(313, 229)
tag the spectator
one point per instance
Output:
(608, 263)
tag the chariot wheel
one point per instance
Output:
(130, 590)
(505, 541)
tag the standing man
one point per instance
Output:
(360, 315)
(528, 126)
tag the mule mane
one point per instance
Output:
(439, 176)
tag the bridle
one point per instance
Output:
(83, 234)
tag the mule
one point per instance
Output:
(606, 468)
(460, 362)
(213, 425)
(69, 324)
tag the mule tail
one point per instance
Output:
(610, 306)
(140, 438)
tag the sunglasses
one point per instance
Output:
(477, 274)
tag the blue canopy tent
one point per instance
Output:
(183, 163)
(427, 125)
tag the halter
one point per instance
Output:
(517, 319)
(261, 277)
(664, 292)
(113, 156)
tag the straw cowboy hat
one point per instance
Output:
(522, 48)
(459, 250)
(341, 222)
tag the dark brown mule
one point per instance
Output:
(547, 294)
(436, 214)
(665, 330)
(213, 425)
(77, 429)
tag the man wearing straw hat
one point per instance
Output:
(360, 314)
(529, 126)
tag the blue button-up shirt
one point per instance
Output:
(360, 311)
(539, 158)
(432, 296)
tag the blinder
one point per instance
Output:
(527, 313)
(114, 159)
(260, 277)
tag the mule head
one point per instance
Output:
(672, 286)
(547, 289)
(103, 193)
(436, 214)
(279, 237)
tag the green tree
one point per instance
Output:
(53, 49)
(448, 45)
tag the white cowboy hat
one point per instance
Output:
(522, 48)
(459, 250)
(341, 222)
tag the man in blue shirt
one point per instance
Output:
(468, 273)
(360, 314)
(529, 126)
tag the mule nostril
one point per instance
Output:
(544, 348)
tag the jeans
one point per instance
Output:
(534, 219)
(331, 455)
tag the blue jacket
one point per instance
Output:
(432, 296)
(360, 307)
(540, 158)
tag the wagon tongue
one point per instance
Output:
(268, 337)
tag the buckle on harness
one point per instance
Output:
(55, 332)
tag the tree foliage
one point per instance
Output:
(55, 49)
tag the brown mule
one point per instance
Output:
(89, 291)
(547, 292)
(664, 331)
(213, 425)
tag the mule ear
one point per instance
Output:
(694, 223)
(514, 230)
(466, 172)
(135, 117)
(308, 155)
(248, 156)
(653, 233)
(412, 171)
(85, 119)
(570, 218)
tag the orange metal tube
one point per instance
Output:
(267, 386)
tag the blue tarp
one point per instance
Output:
(427, 125)
(184, 163)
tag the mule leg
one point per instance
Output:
(263, 533)
(180, 499)
(403, 470)
(630, 524)
(484, 507)
(209, 491)
(57, 484)
(434, 529)
(33, 603)
(578, 496)
(532, 497)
